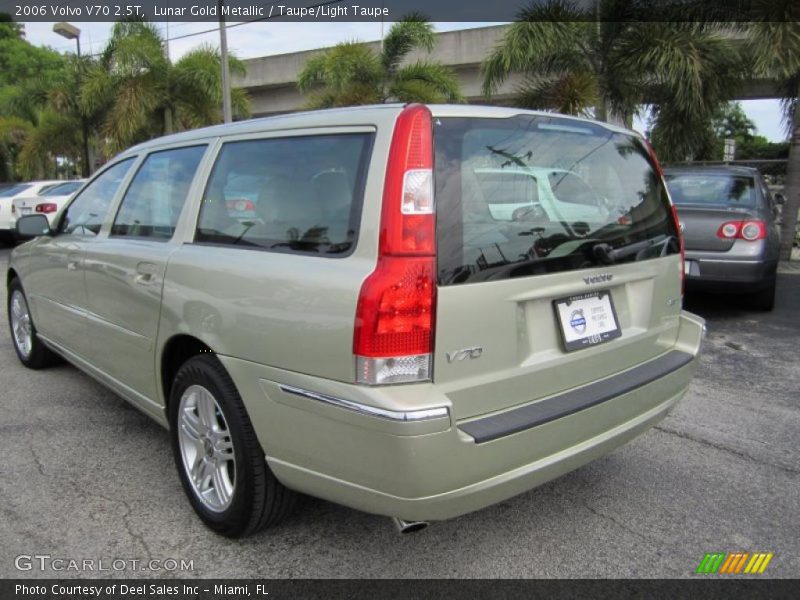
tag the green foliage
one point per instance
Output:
(578, 66)
(351, 73)
(143, 95)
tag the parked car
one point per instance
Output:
(730, 229)
(7, 217)
(373, 336)
(47, 202)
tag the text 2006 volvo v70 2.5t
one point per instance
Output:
(416, 311)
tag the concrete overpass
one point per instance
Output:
(271, 81)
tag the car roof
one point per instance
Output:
(352, 115)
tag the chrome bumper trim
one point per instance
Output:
(381, 413)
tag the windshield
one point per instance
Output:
(540, 194)
(14, 190)
(62, 189)
(711, 188)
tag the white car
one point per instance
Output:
(47, 202)
(7, 217)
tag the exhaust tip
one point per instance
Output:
(405, 527)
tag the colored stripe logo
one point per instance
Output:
(734, 563)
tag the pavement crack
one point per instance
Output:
(38, 461)
(727, 449)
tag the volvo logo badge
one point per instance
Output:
(602, 278)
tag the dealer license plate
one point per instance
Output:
(587, 319)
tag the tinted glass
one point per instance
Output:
(87, 211)
(300, 194)
(62, 189)
(713, 188)
(155, 198)
(14, 190)
(533, 194)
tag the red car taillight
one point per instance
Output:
(47, 207)
(742, 230)
(394, 325)
(677, 221)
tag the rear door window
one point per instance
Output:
(154, 199)
(539, 194)
(299, 194)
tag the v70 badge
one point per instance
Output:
(465, 354)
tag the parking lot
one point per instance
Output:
(85, 476)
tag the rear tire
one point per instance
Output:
(764, 299)
(30, 350)
(219, 459)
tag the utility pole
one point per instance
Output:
(226, 76)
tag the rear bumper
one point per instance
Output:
(432, 468)
(728, 275)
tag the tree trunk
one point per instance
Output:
(792, 187)
(169, 126)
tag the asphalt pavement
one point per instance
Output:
(84, 476)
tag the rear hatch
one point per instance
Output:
(706, 201)
(558, 258)
(27, 205)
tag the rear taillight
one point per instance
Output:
(240, 205)
(47, 207)
(394, 325)
(742, 230)
(675, 218)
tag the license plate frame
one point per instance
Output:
(586, 320)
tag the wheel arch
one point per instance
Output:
(177, 350)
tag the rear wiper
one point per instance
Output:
(608, 255)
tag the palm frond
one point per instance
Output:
(435, 81)
(538, 45)
(572, 93)
(413, 31)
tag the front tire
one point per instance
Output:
(219, 459)
(30, 350)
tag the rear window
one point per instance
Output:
(716, 188)
(298, 194)
(62, 189)
(14, 190)
(539, 194)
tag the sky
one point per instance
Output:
(263, 39)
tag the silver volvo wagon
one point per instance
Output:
(416, 311)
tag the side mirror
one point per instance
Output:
(31, 226)
(779, 199)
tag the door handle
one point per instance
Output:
(146, 273)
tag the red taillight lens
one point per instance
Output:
(742, 230)
(408, 223)
(47, 207)
(677, 221)
(240, 205)
(394, 325)
(395, 308)
(678, 230)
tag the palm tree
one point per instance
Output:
(603, 63)
(352, 73)
(774, 43)
(143, 95)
